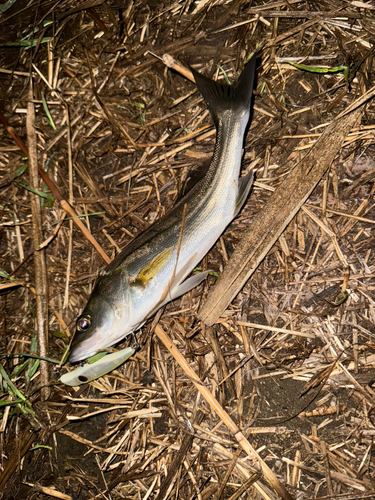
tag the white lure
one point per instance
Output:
(89, 372)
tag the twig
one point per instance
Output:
(171, 63)
(70, 243)
(86, 442)
(228, 473)
(252, 479)
(357, 103)
(327, 467)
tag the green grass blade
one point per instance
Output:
(46, 110)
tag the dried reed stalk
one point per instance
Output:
(40, 268)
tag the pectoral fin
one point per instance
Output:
(184, 287)
(185, 270)
(188, 285)
(244, 185)
(150, 271)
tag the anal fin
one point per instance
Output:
(188, 285)
(244, 185)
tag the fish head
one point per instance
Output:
(106, 318)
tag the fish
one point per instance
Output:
(153, 269)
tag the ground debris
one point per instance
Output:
(291, 361)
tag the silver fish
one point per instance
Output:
(152, 269)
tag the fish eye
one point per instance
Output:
(82, 378)
(83, 323)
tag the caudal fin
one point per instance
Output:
(221, 97)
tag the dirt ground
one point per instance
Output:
(120, 136)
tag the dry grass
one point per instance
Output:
(290, 362)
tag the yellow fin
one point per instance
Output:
(150, 271)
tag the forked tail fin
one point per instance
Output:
(221, 97)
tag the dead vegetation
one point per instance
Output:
(116, 135)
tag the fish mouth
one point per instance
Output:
(80, 352)
(94, 343)
(77, 356)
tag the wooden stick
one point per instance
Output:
(169, 61)
(271, 221)
(222, 414)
